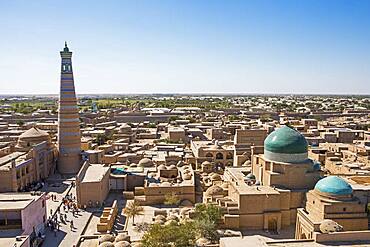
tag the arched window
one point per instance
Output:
(209, 155)
(229, 156)
(219, 156)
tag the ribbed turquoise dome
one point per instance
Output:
(286, 140)
(334, 185)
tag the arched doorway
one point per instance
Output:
(272, 226)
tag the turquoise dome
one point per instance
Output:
(334, 185)
(286, 140)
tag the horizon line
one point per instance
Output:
(189, 94)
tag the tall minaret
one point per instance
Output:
(69, 137)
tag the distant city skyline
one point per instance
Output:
(221, 47)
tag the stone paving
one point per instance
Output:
(59, 190)
(146, 217)
(65, 237)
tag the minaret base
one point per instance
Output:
(69, 164)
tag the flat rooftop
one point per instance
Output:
(245, 189)
(8, 237)
(6, 159)
(95, 173)
(239, 173)
(16, 201)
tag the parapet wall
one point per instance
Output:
(342, 236)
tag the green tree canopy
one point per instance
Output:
(173, 234)
(207, 217)
(184, 234)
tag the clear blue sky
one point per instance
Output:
(184, 46)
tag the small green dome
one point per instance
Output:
(334, 185)
(286, 140)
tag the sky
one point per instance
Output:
(185, 46)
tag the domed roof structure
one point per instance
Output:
(334, 185)
(145, 162)
(160, 217)
(328, 226)
(122, 244)
(106, 238)
(161, 167)
(34, 133)
(165, 184)
(32, 137)
(106, 244)
(285, 145)
(214, 190)
(122, 237)
(206, 163)
(216, 177)
(172, 167)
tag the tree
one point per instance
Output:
(173, 118)
(173, 234)
(133, 209)
(207, 217)
(20, 122)
(184, 234)
(171, 199)
(152, 125)
(101, 139)
(208, 211)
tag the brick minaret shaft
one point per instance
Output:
(69, 137)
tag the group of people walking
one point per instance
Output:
(60, 216)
